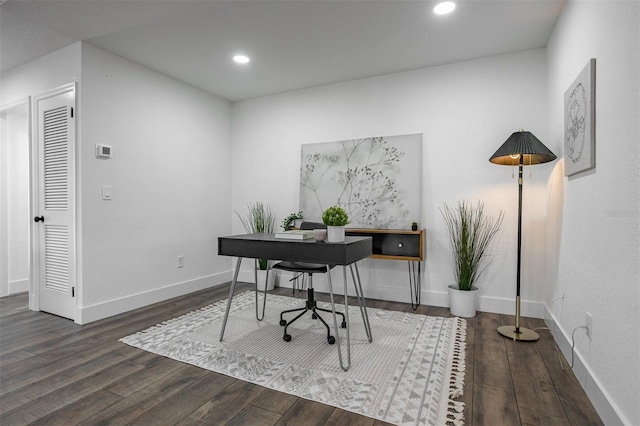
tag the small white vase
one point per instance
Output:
(463, 303)
(262, 277)
(335, 234)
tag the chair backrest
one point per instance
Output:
(313, 225)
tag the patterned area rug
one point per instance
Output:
(409, 375)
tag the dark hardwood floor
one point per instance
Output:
(54, 372)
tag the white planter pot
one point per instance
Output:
(463, 303)
(262, 276)
(335, 234)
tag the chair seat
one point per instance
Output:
(308, 268)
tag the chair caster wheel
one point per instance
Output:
(314, 316)
(344, 324)
(283, 322)
(331, 340)
(286, 337)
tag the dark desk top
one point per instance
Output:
(266, 246)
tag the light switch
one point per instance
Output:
(106, 192)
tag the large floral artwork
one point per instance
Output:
(580, 121)
(377, 180)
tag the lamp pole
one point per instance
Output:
(517, 332)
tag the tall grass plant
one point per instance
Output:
(259, 219)
(471, 231)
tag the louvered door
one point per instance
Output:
(54, 218)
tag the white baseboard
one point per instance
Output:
(113, 307)
(19, 286)
(602, 402)
(391, 293)
(498, 305)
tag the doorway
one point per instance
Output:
(15, 142)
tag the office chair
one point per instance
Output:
(309, 269)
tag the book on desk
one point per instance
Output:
(296, 234)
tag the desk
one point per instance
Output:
(266, 246)
(399, 244)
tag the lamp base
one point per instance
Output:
(525, 334)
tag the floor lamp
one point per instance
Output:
(520, 149)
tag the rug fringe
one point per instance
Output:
(455, 409)
(455, 415)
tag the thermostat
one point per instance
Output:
(103, 151)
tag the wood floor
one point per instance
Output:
(54, 372)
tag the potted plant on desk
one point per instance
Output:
(292, 221)
(335, 218)
(260, 219)
(470, 234)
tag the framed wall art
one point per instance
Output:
(580, 122)
(377, 180)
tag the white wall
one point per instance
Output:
(37, 77)
(4, 209)
(41, 75)
(17, 140)
(170, 181)
(169, 174)
(465, 111)
(594, 216)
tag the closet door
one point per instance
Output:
(55, 210)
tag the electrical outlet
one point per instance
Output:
(180, 261)
(589, 325)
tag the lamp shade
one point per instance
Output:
(525, 144)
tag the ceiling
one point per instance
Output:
(293, 44)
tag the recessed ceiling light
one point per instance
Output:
(241, 59)
(444, 8)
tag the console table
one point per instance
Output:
(399, 244)
(266, 246)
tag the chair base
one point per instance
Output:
(310, 305)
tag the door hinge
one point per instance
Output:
(73, 292)
(71, 112)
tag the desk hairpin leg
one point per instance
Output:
(414, 284)
(363, 311)
(361, 302)
(335, 320)
(231, 290)
(234, 281)
(266, 280)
